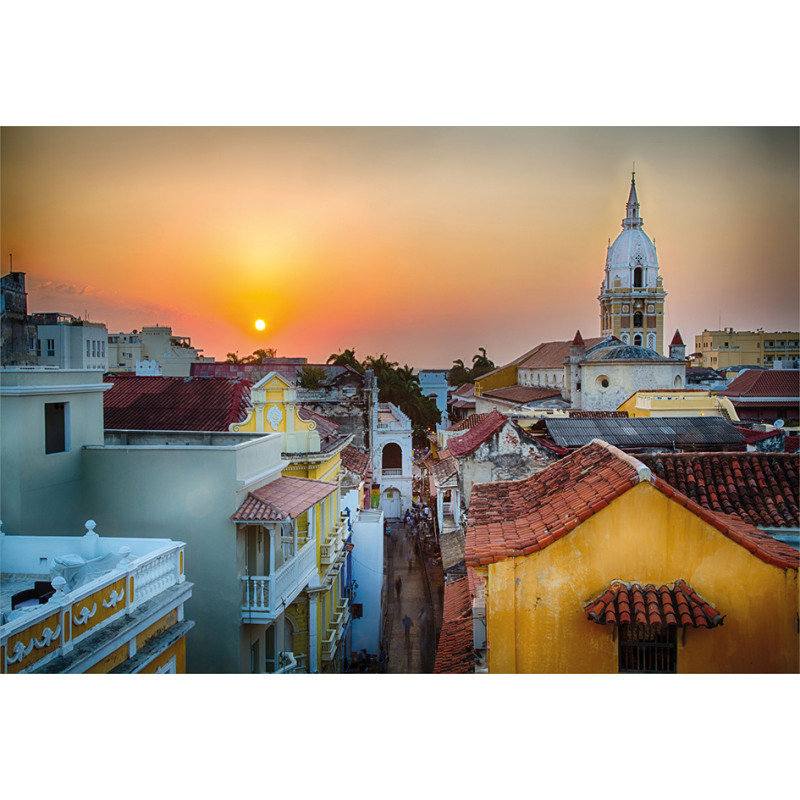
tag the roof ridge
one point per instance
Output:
(642, 470)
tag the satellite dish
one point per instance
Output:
(778, 424)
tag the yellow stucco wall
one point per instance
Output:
(499, 379)
(535, 604)
(178, 650)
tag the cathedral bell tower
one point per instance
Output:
(632, 296)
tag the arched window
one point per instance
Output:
(678, 382)
(637, 277)
(392, 457)
(637, 319)
(637, 340)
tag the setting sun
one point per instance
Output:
(260, 324)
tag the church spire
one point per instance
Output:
(632, 218)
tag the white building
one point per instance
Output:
(68, 342)
(174, 354)
(392, 459)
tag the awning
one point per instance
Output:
(634, 604)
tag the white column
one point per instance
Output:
(313, 659)
(271, 551)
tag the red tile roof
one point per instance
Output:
(284, 497)
(156, 403)
(521, 394)
(470, 422)
(455, 653)
(516, 518)
(577, 339)
(325, 427)
(443, 470)
(760, 488)
(634, 604)
(465, 390)
(355, 460)
(676, 339)
(764, 383)
(467, 442)
(551, 355)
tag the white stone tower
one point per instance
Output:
(632, 296)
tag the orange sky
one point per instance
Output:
(423, 243)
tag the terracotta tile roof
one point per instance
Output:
(156, 403)
(455, 653)
(516, 518)
(791, 443)
(284, 497)
(634, 604)
(463, 404)
(475, 581)
(443, 470)
(676, 339)
(521, 394)
(551, 355)
(325, 427)
(470, 422)
(467, 442)
(764, 383)
(355, 460)
(760, 488)
(465, 390)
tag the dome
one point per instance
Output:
(632, 248)
(624, 352)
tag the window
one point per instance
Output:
(637, 319)
(87, 348)
(647, 648)
(637, 277)
(103, 349)
(94, 348)
(38, 347)
(637, 340)
(51, 347)
(56, 428)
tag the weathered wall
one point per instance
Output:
(535, 609)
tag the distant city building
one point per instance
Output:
(392, 460)
(69, 342)
(18, 335)
(765, 395)
(174, 354)
(729, 348)
(433, 384)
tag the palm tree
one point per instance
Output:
(347, 358)
(481, 364)
(233, 358)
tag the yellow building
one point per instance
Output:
(314, 621)
(596, 566)
(678, 403)
(729, 348)
(91, 604)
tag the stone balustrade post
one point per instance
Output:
(89, 541)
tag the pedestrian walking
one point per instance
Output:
(410, 560)
(407, 626)
(398, 585)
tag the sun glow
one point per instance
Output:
(260, 324)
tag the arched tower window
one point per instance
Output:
(637, 277)
(392, 457)
(637, 340)
(637, 319)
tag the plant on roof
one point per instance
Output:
(311, 377)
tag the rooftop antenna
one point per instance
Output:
(10, 262)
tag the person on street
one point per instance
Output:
(407, 626)
(398, 585)
(410, 560)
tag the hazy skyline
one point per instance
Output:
(423, 243)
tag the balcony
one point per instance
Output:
(141, 570)
(264, 597)
(331, 548)
(335, 630)
(391, 472)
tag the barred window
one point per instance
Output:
(647, 648)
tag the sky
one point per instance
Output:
(424, 243)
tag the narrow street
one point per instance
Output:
(418, 599)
